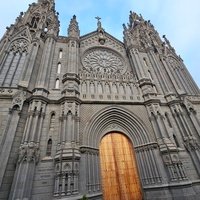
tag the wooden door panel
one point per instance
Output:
(120, 180)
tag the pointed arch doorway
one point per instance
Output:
(119, 174)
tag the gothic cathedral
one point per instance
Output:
(91, 117)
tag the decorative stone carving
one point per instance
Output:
(18, 99)
(174, 63)
(191, 144)
(19, 46)
(89, 150)
(29, 152)
(103, 60)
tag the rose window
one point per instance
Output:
(102, 60)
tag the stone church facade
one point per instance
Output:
(60, 96)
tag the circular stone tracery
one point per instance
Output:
(19, 45)
(103, 60)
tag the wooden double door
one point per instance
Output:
(119, 174)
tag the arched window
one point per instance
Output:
(59, 68)
(121, 89)
(114, 89)
(52, 122)
(129, 90)
(60, 53)
(100, 89)
(49, 147)
(145, 62)
(107, 88)
(34, 22)
(57, 83)
(92, 88)
(168, 121)
(176, 141)
(84, 87)
(150, 76)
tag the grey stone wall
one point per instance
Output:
(60, 95)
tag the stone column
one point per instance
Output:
(136, 63)
(29, 65)
(6, 145)
(46, 63)
(167, 148)
(28, 153)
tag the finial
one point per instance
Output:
(73, 29)
(124, 26)
(168, 43)
(166, 40)
(98, 22)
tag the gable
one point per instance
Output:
(92, 40)
(112, 47)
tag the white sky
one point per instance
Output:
(177, 19)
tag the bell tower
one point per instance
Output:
(67, 159)
(26, 61)
(159, 70)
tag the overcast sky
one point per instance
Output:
(177, 19)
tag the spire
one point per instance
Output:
(167, 42)
(51, 2)
(134, 19)
(73, 30)
(41, 1)
(141, 34)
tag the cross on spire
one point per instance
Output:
(98, 22)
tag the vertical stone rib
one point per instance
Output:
(27, 133)
(15, 70)
(149, 166)
(73, 129)
(141, 170)
(29, 65)
(64, 130)
(178, 79)
(162, 80)
(38, 135)
(195, 122)
(193, 85)
(8, 142)
(185, 125)
(155, 126)
(2, 63)
(156, 169)
(8, 69)
(171, 75)
(46, 62)
(35, 124)
(184, 81)
(69, 128)
(60, 130)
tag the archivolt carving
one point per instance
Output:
(103, 60)
(123, 121)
